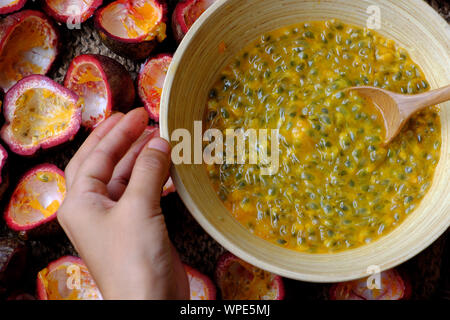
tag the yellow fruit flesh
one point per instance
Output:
(243, 281)
(40, 114)
(13, 62)
(69, 281)
(88, 76)
(143, 20)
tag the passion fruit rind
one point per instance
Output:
(7, 27)
(88, 286)
(34, 82)
(227, 259)
(47, 226)
(179, 27)
(196, 278)
(3, 173)
(152, 102)
(41, 291)
(395, 286)
(66, 17)
(13, 254)
(136, 51)
(192, 7)
(14, 6)
(3, 158)
(137, 48)
(119, 84)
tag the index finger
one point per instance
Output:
(96, 171)
(92, 140)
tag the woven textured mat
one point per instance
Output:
(428, 271)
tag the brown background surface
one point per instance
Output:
(428, 271)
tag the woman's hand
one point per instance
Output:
(112, 211)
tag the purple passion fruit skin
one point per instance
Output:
(4, 177)
(132, 28)
(13, 255)
(9, 6)
(29, 44)
(185, 14)
(150, 83)
(35, 201)
(103, 86)
(70, 11)
(39, 113)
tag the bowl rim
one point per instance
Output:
(212, 230)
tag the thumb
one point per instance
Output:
(149, 176)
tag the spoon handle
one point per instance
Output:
(416, 102)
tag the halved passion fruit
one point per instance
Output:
(13, 255)
(39, 113)
(28, 45)
(71, 11)
(185, 14)
(392, 287)
(201, 287)
(151, 82)
(8, 6)
(67, 279)
(132, 28)
(102, 84)
(239, 280)
(35, 201)
(169, 187)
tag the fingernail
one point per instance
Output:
(145, 134)
(159, 144)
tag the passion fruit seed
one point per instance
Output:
(43, 177)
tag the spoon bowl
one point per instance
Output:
(396, 108)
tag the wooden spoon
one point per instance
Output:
(397, 108)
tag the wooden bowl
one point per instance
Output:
(195, 67)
